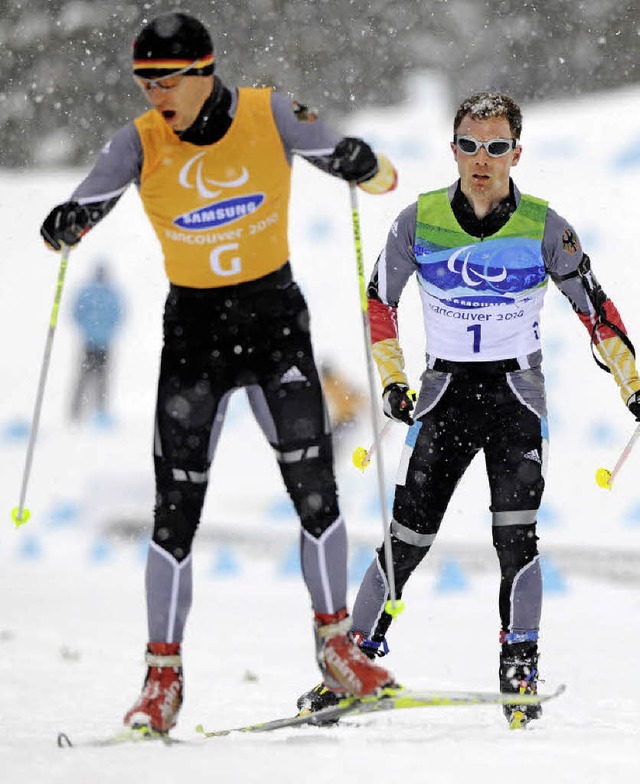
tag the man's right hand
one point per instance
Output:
(397, 403)
(65, 225)
(354, 160)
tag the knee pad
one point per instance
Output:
(180, 496)
(308, 476)
(416, 512)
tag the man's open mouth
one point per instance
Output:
(168, 114)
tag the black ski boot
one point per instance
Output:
(316, 699)
(321, 697)
(519, 675)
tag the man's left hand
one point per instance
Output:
(633, 404)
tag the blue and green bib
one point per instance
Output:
(481, 297)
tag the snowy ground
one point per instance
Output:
(71, 660)
(72, 626)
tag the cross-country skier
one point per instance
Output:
(483, 254)
(213, 169)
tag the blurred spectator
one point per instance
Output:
(98, 312)
(344, 401)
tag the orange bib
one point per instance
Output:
(220, 211)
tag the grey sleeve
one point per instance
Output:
(302, 132)
(118, 165)
(563, 254)
(397, 262)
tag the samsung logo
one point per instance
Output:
(220, 213)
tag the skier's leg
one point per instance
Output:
(290, 408)
(185, 439)
(429, 470)
(93, 360)
(182, 460)
(78, 401)
(432, 463)
(181, 483)
(102, 380)
(516, 460)
(515, 455)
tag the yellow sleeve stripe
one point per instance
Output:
(389, 359)
(622, 365)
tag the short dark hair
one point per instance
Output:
(486, 104)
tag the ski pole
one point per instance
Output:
(361, 457)
(20, 514)
(604, 477)
(393, 607)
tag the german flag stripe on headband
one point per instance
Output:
(166, 64)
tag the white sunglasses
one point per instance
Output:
(164, 83)
(495, 148)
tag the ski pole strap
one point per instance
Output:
(377, 648)
(604, 322)
(530, 635)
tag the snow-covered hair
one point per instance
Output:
(482, 105)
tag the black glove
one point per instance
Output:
(354, 160)
(633, 404)
(397, 403)
(65, 225)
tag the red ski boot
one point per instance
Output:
(158, 705)
(345, 669)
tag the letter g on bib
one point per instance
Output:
(231, 266)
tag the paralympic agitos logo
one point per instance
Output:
(216, 213)
(492, 272)
(471, 276)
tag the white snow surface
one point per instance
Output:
(72, 615)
